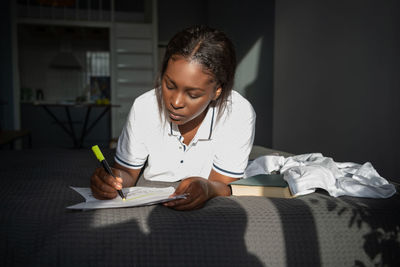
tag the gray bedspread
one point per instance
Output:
(314, 230)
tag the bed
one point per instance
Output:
(36, 229)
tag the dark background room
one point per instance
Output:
(322, 76)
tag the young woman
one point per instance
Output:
(191, 128)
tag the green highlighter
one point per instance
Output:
(100, 157)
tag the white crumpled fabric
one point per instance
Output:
(307, 172)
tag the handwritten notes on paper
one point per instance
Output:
(135, 196)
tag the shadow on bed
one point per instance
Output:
(36, 229)
(299, 232)
(346, 231)
(382, 240)
(312, 230)
(323, 230)
(123, 238)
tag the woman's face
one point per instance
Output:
(187, 91)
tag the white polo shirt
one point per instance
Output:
(222, 144)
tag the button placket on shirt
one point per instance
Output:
(182, 148)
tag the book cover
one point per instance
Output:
(267, 185)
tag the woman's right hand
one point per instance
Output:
(105, 186)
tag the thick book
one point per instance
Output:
(267, 185)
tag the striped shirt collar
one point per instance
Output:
(205, 130)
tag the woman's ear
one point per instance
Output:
(217, 93)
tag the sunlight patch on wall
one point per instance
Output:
(247, 69)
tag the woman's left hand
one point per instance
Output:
(198, 190)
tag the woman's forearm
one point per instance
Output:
(217, 188)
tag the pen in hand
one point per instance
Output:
(100, 157)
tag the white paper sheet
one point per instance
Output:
(135, 196)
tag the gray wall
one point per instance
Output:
(175, 15)
(245, 24)
(337, 80)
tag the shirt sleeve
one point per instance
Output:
(235, 142)
(131, 149)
